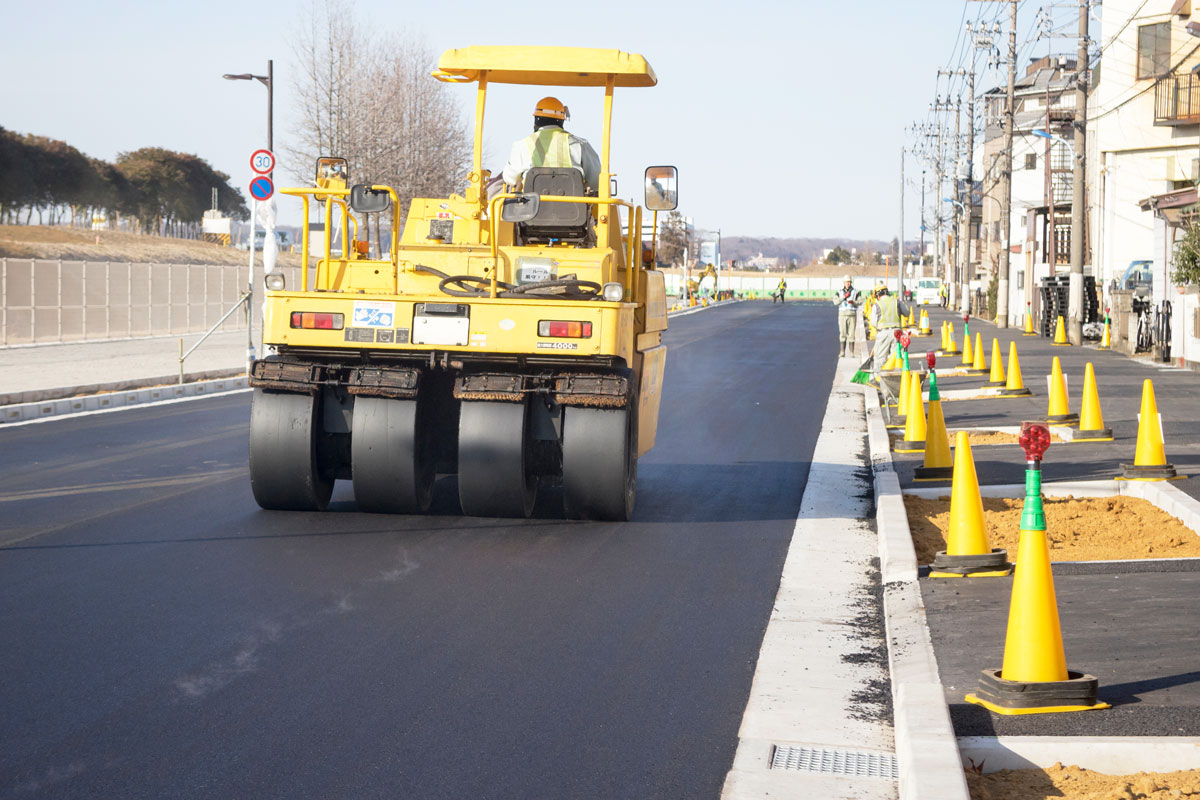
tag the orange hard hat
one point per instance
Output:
(551, 107)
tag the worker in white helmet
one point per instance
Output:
(847, 300)
(551, 146)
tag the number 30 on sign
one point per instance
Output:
(262, 161)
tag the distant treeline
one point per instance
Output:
(161, 191)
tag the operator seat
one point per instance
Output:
(564, 222)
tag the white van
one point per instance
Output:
(928, 291)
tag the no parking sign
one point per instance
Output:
(261, 188)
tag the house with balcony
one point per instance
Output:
(1144, 146)
(1039, 236)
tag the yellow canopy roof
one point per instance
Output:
(545, 66)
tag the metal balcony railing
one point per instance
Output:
(1177, 100)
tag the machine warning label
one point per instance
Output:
(557, 346)
(397, 336)
(360, 335)
(374, 314)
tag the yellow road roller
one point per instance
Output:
(511, 336)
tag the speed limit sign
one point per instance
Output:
(262, 161)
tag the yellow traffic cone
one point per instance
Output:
(1028, 323)
(902, 395)
(997, 377)
(914, 421)
(945, 337)
(951, 346)
(1034, 678)
(968, 351)
(923, 330)
(1060, 334)
(967, 550)
(1106, 339)
(1013, 385)
(939, 465)
(1150, 459)
(1058, 411)
(911, 319)
(979, 365)
(1091, 420)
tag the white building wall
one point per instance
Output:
(1136, 159)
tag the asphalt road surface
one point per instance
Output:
(164, 637)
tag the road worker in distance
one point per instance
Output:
(551, 146)
(887, 315)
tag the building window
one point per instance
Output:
(1154, 50)
(1031, 161)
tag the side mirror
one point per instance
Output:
(662, 188)
(365, 200)
(332, 173)
(521, 208)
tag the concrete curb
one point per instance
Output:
(927, 753)
(692, 310)
(23, 412)
(65, 392)
(1111, 755)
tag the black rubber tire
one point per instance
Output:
(389, 457)
(493, 460)
(284, 472)
(599, 463)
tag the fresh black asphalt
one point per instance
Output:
(163, 637)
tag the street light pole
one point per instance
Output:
(267, 80)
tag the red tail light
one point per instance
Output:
(564, 330)
(311, 319)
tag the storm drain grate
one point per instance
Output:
(835, 762)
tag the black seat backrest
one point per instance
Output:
(556, 220)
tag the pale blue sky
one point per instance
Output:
(784, 118)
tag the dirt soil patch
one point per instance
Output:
(1083, 529)
(1074, 783)
(79, 244)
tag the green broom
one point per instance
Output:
(864, 371)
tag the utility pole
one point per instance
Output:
(921, 247)
(1006, 173)
(900, 241)
(1078, 212)
(969, 193)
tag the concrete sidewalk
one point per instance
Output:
(52, 371)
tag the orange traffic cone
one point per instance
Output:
(1150, 459)
(1060, 334)
(1034, 678)
(1058, 412)
(967, 550)
(968, 350)
(939, 465)
(1091, 420)
(1014, 386)
(997, 378)
(914, 421)
(979, 365)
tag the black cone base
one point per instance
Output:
(1015, 392)
(1078, 691)
(1160, 472)
(965, 565)
(1062, 419)
(1102, 434)
(933, 473)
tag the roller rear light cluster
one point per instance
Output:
(318, 321)
(564, 330)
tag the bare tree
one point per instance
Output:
(369, 98)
